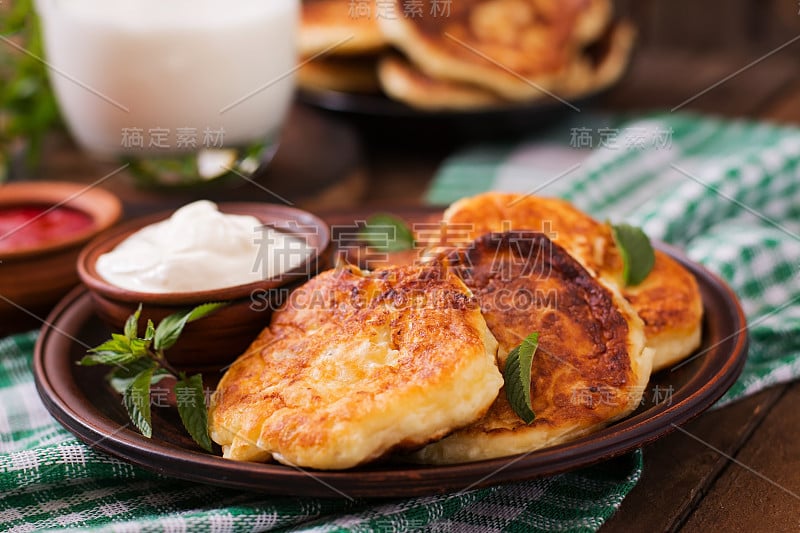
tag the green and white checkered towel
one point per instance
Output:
(730, 199)
(49, 480)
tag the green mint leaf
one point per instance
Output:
(122, 339)
(517, 376)
(137, 401)
(190, 398)
(121, 378)
(132, 324)
(139, 347)
(387, 233)
(119, 350)
(133, 369)
(138, 368)
(108, 358)
(169, 329)
(637, 253)
(204, 310)
(113, 345)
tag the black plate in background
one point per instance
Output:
(378, 115)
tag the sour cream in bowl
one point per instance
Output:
(248, 254)
(200, 248)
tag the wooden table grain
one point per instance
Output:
(732, 469)
(736, 468)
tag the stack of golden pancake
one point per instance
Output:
(467, 54)
(407, 358)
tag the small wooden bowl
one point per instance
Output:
(34, 278)
(219, 338)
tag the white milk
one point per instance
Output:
(170, 71)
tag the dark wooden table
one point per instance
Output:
(733, 469)
(737, 468)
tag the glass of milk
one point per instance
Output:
(151, 79)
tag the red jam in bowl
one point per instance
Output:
(29, 226)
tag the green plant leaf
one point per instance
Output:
(121, 340)
(191, 402)
(137, 401)
(132, 324)
(204, 310)
(116, 345)
(121, 378)
(637, 253)
(133, 369)
(108, 358)
(139, 347)
(517, 376)
(27, 107)
(118, 350)
(3, 166)
(138, 368)
(169, 329)
(387, 233)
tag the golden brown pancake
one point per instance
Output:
(357, 364)
(585, 238)
(601, 64)
(336, 26)
(402, 81)
(668, 300)
(514, 48)
(588, 71)
(669, 303)
(347, 74)
(590, 367)
(592, 21)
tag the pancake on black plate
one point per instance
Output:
(338, 27)
(517, 49)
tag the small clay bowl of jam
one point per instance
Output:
(43, 226)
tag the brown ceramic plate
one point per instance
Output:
(79, 398)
